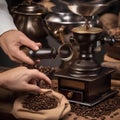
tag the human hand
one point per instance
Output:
(114, 65)
(11, 42)
(22, 79)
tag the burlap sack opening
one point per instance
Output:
(62, 109)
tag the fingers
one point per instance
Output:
(105, 64)
(31, 85)
(44, 77)
(32, 88)
(22, 57)
(29, 43)
(39, 75)
(114, 65)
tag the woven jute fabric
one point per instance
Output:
(62, 109)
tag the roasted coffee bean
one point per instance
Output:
(111, 116)
(103, 118)
(69, 114)
(98, 111)
(116, 113)
(43, 84)
(39, 102)
(49, 71)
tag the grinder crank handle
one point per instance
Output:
(108, 39)
(64, 52)
(43, 53)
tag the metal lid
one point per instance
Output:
(29, 9)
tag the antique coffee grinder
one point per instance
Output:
(59, 22)
(84, 81)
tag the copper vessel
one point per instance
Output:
(29, 18)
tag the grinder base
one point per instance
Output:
(86, 90)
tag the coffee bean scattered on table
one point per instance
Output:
(98, 111)
(39, 102)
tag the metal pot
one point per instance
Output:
(29, 19)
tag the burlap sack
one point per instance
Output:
(57, 113)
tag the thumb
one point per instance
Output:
(30, 43)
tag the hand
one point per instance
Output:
(114, 65)
(22, 79)
(11, 42)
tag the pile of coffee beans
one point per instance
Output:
(49, 71)
(98, 111)
(39, 102)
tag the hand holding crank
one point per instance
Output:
(11, 42)
(114, 65)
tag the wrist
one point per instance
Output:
(8, 31)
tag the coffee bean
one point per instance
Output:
(39, 102)
(98, 111)
(111, 116)
(69, 114)
(49, 71)
(116, 113)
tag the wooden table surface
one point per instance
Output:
(7, 99)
